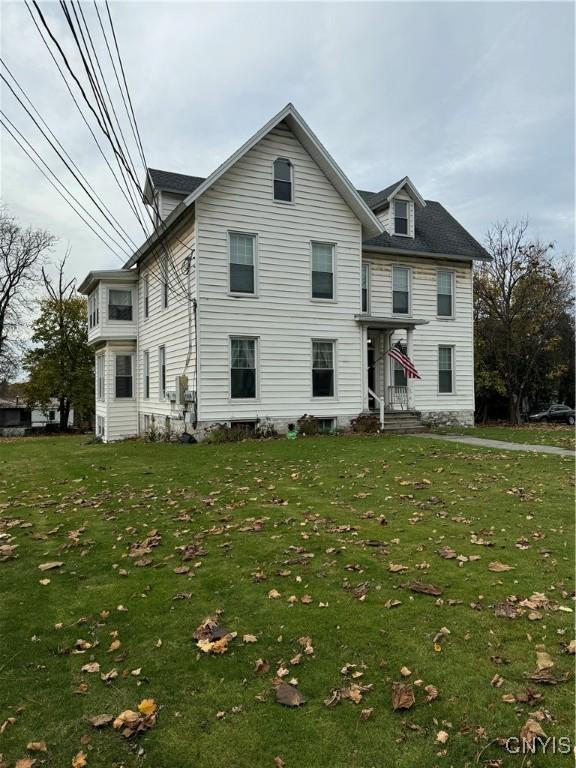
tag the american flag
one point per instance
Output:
(396, 353)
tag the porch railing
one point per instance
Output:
(398, 396)
(380, 402)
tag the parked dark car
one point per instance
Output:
(555, 413)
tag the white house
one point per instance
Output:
(273, 288)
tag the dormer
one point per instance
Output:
(112, 304)
(395, 207)
(164, 191)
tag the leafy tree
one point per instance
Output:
(23, 252)
(61, 364)
(522, 307)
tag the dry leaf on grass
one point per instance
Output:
(279, 763)
(442, 737)
(497, 567)
(36, 746)
(289, 695)
(431, 692)
(249, 639)
(402, 696)
(79, 760)
(101, 721)
(131, 723)
(25, 762)
(543, 661)
(425, 589)
(530, 731)
(50, 566)
(211, 637)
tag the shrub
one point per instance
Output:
(366, 423)
(222, 433)
(265, 428)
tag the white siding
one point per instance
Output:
(120, 415)
(283, 315)
(167, 202)
(171, 327)
(456, 331)
(386, 216)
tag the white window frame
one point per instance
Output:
(146, 374)
(162, 364)
(100, 425)
(453, 281)
(453, 361)
(126, 289)
(256, 340)
(100, 376)
(93, 310)
(164, 281)
(409, 269)
(322, 398)
(284, 202)
(409, 214)
(146, 296)
(366, 266)
(132, 356)
(319, 299)
(254, 236)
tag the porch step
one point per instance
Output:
(402, 421)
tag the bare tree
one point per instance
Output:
(23, 253)
(521, 301)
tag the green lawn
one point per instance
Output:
(323, 517)
(560, 435)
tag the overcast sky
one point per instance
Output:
(473, 101)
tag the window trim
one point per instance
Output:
(131, 355)
(409, 214)
(94, 309)
(256, 340)
(366, 265)
(100, 392)
(402, 314)
(162, 364)
(164, 282)
(146, 295)
(453, 279)
(452, 347)
(324, 398)
(292, 175)
(127, 289)
(146, 374)
(254, 235)
(319, 299)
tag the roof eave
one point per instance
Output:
(109, 275)
(427, 254)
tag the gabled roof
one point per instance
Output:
(377, 200)
(435, 232)
(178, 183)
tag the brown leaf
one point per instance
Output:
(366, 714)
(447, 553)
(114, 646)
(50, 566)
(36, 746)
(79, 760)
(543, 661)
(24, 762)
(182, 569)
(424, 589)
(442, 737)
(334, 698)
(431, 692)
(100, 721)
(397, 568)
(279, 763)
(497, 567)
(402, 696)
(530, 730)
(262, 667)
(249, 639)
(289, 695)
(392, 603)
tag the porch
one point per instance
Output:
(387, 389)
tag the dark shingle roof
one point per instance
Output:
(174, 182)
(436, 231)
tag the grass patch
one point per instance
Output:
(560, 435)
(323, 517)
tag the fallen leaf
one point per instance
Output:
(93, 666)
(497, 567)
(100, 721)
(405, 672)
(366, 714)
(24, 762)
(543, 661)
(147, 707)
(425, 589)
(50, 566)
(79, 760)
(114, 646)
(273, 594)
(279, 763)
(431, 692)
(530, 730)
(402, 696)
(249, 639)
(36, 746)
(442, 737)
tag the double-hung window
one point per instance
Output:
(242, 261)
(322, 368)
(399, 374)
(445, 293)
(123, 375)
(365, 286)
(322, 271)
(283, 180)
(242, 368)
(146, 296)
(165, 275)
(100, 377)
(401, 213)
(146, 373)
(400, 290)
(446, 370)
(162, 372)
(119, 304)
(93, 318)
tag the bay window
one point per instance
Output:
(119, 304)
(123, 376)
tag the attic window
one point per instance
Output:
(283, 180)
(400, 217)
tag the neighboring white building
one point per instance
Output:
(273, 288)
(50, 416)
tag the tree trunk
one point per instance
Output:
(513, 408)
(64, 413)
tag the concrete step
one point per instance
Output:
(411, 428)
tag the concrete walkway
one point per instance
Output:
(484, 442)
